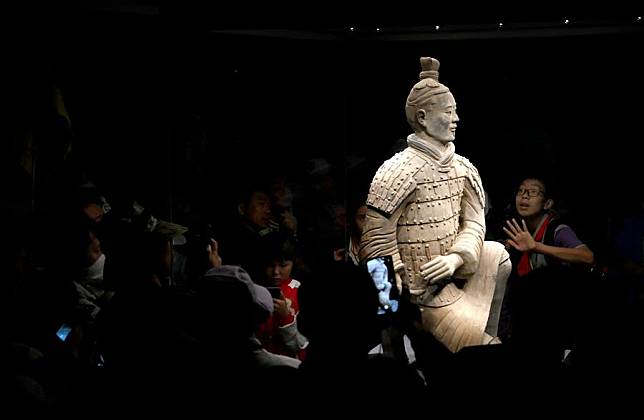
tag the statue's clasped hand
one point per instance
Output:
(440, 267)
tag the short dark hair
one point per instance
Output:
(279, 247)
(545, 179)
(245, 192)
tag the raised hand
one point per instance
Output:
(519, 236)
(213, 254)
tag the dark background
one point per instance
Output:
(178, 106)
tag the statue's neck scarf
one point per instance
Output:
(443, 157)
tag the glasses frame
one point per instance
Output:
(522, 191)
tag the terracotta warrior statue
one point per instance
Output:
(426, 211)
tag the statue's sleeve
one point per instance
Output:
(471, 231)
(379, 237)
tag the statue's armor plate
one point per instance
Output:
(429, 222)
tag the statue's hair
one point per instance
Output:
(422, 93)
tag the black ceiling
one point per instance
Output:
(326, 17)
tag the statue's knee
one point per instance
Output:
(505, 267)
(496, 250)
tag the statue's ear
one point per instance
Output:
(549, 204)
(421, 116)
(241, 209)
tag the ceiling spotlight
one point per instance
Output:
(566, 21)
(352, 29)
(639, 18)
(377, 29)
(437, 27)
(500, 24)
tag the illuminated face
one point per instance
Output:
(530, 199)
(278, 271)
(439, 121)
(258, 211)
(94, 211)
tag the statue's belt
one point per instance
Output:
(437, 295)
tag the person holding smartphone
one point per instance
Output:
(279, 334)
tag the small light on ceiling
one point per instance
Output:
(500, 24)
(566, 21)
(352, 29)
(639, 18)
(437, 27)
(377, 29)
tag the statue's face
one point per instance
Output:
(439, 122)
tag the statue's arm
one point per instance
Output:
(471, 231)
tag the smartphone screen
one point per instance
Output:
(63, 332)
(276, 292)
(385, 283)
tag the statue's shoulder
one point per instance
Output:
(394, 181)
(466, 169)
(465, 164)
